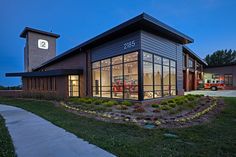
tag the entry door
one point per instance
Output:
(191, 81)
(73, 84)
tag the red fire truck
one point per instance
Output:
(214, 84)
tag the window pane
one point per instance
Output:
(73, 84)
(173, 77)
(117, 60)
(147, 56)
(96, 77)
(147, 88)
(166, 75)
(105, 75)
(147, 73)
(106, 94)
(190, 63)
(157, 94)
(117, 81)
(148, 95)
(157, 59)
(105, 89)
(131, 80)
(105, 62)
(96, 64)
(157, 74)
(166, 62)
(172, 63)
(131, 57)
(96, 93)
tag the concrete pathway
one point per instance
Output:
(35, 137)
(224, 93)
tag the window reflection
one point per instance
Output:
(124, 80)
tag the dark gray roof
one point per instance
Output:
(185, 48)
(28, 29)
(58, 72)
(140, 22)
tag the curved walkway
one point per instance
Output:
(34, 136)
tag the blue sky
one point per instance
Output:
(211, 23)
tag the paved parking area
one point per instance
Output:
(223, 93)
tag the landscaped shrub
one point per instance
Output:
(97, 101)
(127, 103)
(171, 101)
(121, 107)
(179, 102)
(191, 98)
(172, 105)
(155, 105)
(163, 103)
(110, 103)
(139, 109)
(165, 107)
(156, 110)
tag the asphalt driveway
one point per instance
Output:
(218, 93)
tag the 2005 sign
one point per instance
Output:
(129, 44)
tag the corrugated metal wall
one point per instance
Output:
(116, 47)
(165, 48)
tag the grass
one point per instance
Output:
(6, 146)
(217, 138)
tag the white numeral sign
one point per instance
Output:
(129, 44)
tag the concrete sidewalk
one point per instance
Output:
(35, 137)
(218, 93)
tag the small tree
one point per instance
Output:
(221, 57)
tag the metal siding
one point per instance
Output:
(165, 48)
(180, 76)
(158, 45)
(116, 47)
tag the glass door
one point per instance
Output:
(73, 84)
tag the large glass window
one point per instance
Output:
(157, 80)
(131, 80)
(166, 80)
(118, 77)
(228, 79)
(147, 75)
(159, 76)
(96, 79)
(105, 78)
(73, 82)
(117, 81)
(173, 77)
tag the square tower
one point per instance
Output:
(40, 47)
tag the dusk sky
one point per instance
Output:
(211, 23)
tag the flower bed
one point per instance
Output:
(167, 113)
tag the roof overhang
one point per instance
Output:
(58, 72)
(28, 29)
(194, 55)
(142, 22)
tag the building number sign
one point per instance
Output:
(129, 44)
(43, 44)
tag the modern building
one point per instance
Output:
(139, 59)
(225, 73)
(192, 69)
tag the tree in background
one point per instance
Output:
(221, 57)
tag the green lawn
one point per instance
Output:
(6, 146)
(217, 138)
